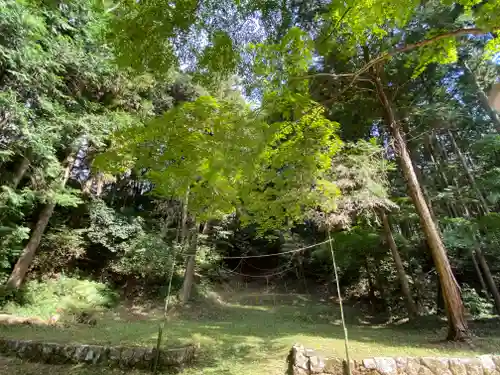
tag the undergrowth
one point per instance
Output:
(44, 298)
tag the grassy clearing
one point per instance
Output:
(253, 333)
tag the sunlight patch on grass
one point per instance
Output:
(252, 340)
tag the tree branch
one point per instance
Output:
(412, 46)
(403, 49)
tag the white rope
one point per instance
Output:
(284, 269)
(277, 254)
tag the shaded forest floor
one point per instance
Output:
(251, 333)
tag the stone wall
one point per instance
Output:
(114, 356)
(303, 361)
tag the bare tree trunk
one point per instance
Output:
(468, 173)
(371, 286)
(457, 324)
(87, 186)
(484, 288)
(21, 170)
(187, 285)
(403, 279)
(185, 219)
(437, 165)
(440, 306)
(380, 286)
(480, 256)
(99, 184)
(489, 279)
(24, 262)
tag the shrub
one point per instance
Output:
(476, 304)
(43, 298)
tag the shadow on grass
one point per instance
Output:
(248, 338)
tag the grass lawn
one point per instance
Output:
(251, 335)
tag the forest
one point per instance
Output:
(163, 150)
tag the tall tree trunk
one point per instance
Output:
(420, 179)
(20, 171)
(457, 324)
(24, 262)
(99, 184)
(371, 286)
(380, 286)
(403, 279)
(468, 173)
(185, 219)
(440, 306)
(479, 253)
(484, 288)
(483, 98)
(452, 210)
(489, 279)
(187, 284)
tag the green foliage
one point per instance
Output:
(478, 306)
(144, 33)
(59, 249)
(147, 256)
(290, 178)
(207, 146)
(460, 233)
(310, 152)
(111, 230)
(43, 298)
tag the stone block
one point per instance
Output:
(126, 358)
(488, 364)
(457, 367)
(80, 353)
(401, 364)
(474, 366)
(299, 359)
(96, 354)
(496, 360)
(67, 353)
(177, 356)
(436, 365)
(334, 366)
(316, 364)
(369, 363)
(114, 355)
(386, 366)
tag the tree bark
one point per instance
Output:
(437, 165)
(21, 170)
(420, 179)
(484, 288)
(440, 307)
(479, 253)
(99, 184)
(187, 285)
(457, 324)
(371, 286)
(489, 279)
(403, 279)
(468, 173)
(24, 262)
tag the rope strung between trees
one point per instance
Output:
(286, 268)
(277, 254)
(283, 269)
(344, 326)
